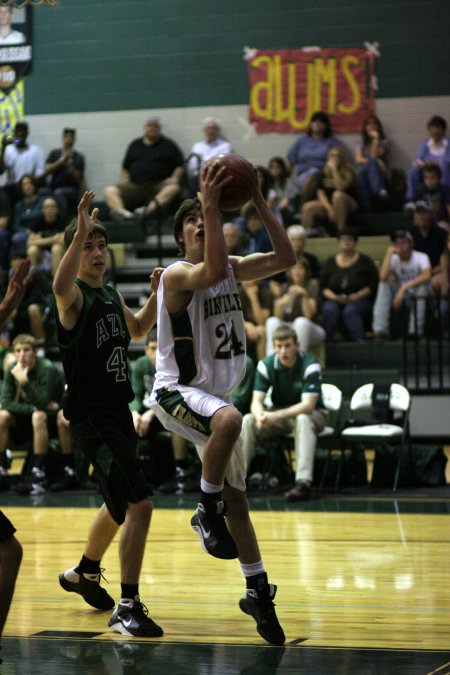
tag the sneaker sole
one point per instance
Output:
(214, 553)
(118, 627)
(69, 587)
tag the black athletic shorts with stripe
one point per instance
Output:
(108, 439)
(7, 529)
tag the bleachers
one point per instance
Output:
(139, 247)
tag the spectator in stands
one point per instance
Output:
(430, 239)
(308, 154)
(18, 158)
(435, 194)
(68, 480)
(152, 170)
(147, 424)
(295, 379)
(348, 284)
(47, 235)
(445, 290)
(336, 197)
(434, 150)
(297, 306)
(372, 159)
(253, 227)
(404, 277)
(297, 237)
(214, 144)
(29, 315)
(65, 170)
(257, 305)
(286, 191)
(5, 221)
(234, 239)
(31, 396)
(27, 211)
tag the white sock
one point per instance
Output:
(250, 569)
(209, 488)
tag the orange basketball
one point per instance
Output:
(238, 191)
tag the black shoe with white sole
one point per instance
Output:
(261, 607)
(131, 619)
(88, 586)
(209, 523)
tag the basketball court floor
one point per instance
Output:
(363, 587)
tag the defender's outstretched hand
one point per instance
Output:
(85, 221)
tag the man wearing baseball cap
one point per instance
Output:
(404, 277)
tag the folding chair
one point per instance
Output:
(329, 437)
(376, 434)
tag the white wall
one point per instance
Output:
(103, 137)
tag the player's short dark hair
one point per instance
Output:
(71, 228)
(284, 332)
(186, 207)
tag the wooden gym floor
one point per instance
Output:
(363, 587)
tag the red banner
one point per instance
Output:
(288, 86)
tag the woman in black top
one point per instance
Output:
(348, 284)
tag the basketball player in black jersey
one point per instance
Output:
(94, 329)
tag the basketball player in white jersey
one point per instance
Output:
(200, 360)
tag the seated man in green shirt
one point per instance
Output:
(31, 397)
(294, 378)
(147, 424)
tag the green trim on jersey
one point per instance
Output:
(173, 403)
(288, 384)
(183, 346)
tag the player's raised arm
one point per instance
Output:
(262, 265)
(66, 292)
(201, 238)
(142, 322)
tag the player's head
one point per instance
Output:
(188, 206)
(97, 231)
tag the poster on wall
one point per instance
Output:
(287, 86)
(15, 62)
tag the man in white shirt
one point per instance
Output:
(19, 158)
(212, 146)
(404, 275)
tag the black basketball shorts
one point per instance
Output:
(108, 439)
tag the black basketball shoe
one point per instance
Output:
(209, 523)
(88, 586)
(131, 619)
(262, 608)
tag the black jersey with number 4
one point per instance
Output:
(94, 354)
